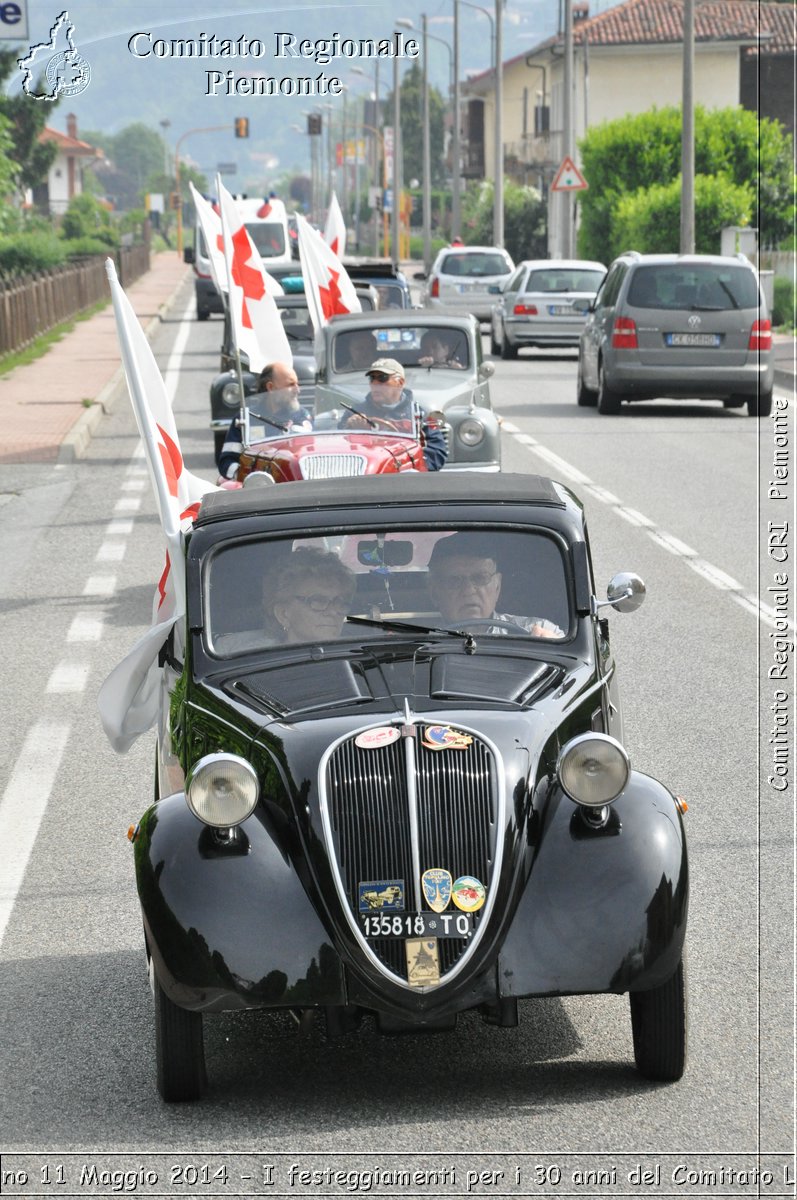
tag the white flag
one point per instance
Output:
(210, 224)
(335, 228)
(256, 324)
(128, 699)
(326, 281)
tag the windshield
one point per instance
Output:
(269, 238)
(564, 279)
(271, 592)
(411, 346)
(707, 286)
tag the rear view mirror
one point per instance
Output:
(385, 554)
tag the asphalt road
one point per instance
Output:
(672, 492)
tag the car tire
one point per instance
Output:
(734, 401)
(759, 405)
(508, 351)
(585, 397)
(495, 348)
(608, 401)
(658, 1026)
(179, 1050)
(202, 314)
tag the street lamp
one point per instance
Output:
(377, 123)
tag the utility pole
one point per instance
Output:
(396, 183)
(498, 191)
(567, 122)
(427, 158)
(688, 133)
(456, 205)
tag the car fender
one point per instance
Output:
(229, 924)
(603, 909)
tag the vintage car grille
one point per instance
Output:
(332, 466)
(368, 805)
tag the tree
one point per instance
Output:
(30, 158)
(412, 127)
(524, 219)
(635, 153)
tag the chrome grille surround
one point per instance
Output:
(331, 466)
(391, 818)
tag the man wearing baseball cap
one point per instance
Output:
(390, 403)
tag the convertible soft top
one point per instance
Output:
(373, 491)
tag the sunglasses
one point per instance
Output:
(320, 604)
(378, 377)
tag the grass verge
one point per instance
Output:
(40, 346)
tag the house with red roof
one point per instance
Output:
(629, 59)
(65, 177)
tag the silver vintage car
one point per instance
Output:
(442, 358)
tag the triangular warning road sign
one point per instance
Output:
(568, 178)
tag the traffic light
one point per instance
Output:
(314, 123)
(242, 127)
(174, 200)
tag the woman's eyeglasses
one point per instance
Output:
(479, 579)
(320, 604)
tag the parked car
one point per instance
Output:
(680, 326)
(364, 806)
(543, 303)
(392, 288)
(459, 388)
(461, 278)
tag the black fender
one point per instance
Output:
(603, 910)
(227, 920)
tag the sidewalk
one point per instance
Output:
(42, 414)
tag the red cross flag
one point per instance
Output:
(128, 699)
(257, 327)
(326, 281)
(210, 224)
(335, 229)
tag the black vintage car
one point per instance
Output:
(391, 777)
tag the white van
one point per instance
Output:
(267, 224)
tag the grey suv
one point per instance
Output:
(684, 327)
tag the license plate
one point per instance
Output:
(464, 288)
(560, 310)
(692, 339)
(416, 925)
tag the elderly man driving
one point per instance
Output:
(465, 584)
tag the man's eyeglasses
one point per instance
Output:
(320, 604)
(479, 579)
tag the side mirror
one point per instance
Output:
(486, 370)
(420, 275)
(188, 255)
(625, 592)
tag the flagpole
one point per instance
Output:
(225, 233)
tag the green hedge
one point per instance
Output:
(26, 253)
(649, 220)
(783, 312)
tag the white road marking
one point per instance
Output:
(111, 552)
(667, 541)
(86, 627)
(23, 805)
(127, 504)
(136, 484)
(119, 528)
(68, 677)
(100, 585)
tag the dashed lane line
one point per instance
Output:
(718, 578)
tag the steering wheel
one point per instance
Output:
(485, 623)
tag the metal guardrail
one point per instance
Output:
(31, 305)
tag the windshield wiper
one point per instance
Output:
(409, 626)
(357, 413)
(268, 421)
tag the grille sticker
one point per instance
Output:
(436, 884)
(382, 894)
(423, 962)
(443, 737)
(371, 739)
(468, 893)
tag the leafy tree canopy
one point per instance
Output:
(30, 159)
(412, 127)
(524, 219)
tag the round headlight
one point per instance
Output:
(231, 394)
(593, 769)
(471, 431)
(222, 790)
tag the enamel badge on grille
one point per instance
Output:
(423, 962)
(436, 885)
(443, 737)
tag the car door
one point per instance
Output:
(507, 300)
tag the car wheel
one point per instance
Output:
(658, 1025)
(202, 314)
(760, 405)
(179, 1051)
(508, 351)
(608, 401)
(734, 401)
(585, 397)
(495, 348)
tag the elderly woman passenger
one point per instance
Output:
(311, 596)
